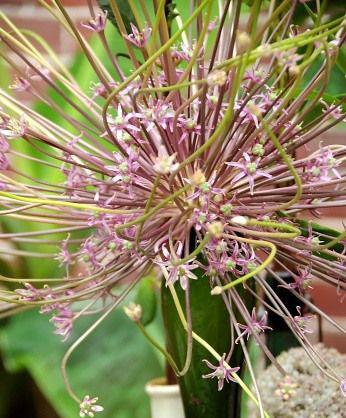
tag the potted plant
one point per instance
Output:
(191, 165)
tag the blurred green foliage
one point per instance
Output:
(113, 363)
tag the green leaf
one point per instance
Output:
(113, 363)
(341, 60)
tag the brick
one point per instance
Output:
(335, 340)
(49, 29)
(12, 2)
(326, 298)
(25, 2)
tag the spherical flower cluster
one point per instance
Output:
(194, 159)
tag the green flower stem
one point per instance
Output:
(333, 254)
(147, 207)
(88, 53)
(136, 14)
(333, 242)
(209, 348)
(274, 14)
(285, 157)
(293, 231)
(297, 41)
(227, 120)
(162, 350)
(34, 52)
(66, 204)
(167, 88)
(217, 290)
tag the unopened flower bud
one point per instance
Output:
(240, 220)
(258, 149)
(190, 124)
(264, 50)
(216, 229)
(165, 164)
(112, 245)
(293, 70)
(217, 290)
(126, 137)
(254, 109)
(226, 209)
(133, 311)
(221, 247)
(251, 266)
(243, 41)
(198, 178)
(127, 245)
(217, 78)
(218, 198)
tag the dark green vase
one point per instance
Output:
(210, 320)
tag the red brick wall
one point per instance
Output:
(30, 15)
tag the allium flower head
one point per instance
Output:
(198, 160)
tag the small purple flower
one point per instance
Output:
(188, 126)
(221, 372)
(332, 110)
(138, 38)
(201, 218)
(311, 239)
(64, 256)
(98, 24)
(343, 387)
(249, 170)
(180, 272)
(30, 293)
(20, 84)
(63, 322)
(89, 253)
(205, 190)
(302, 281)
(13, 128)
(302, 322)
(122, 121)
(258, 325)
(88, 407)
(4, 145)
(319, 167)
(247, 114)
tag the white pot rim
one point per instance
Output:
(158, 387)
